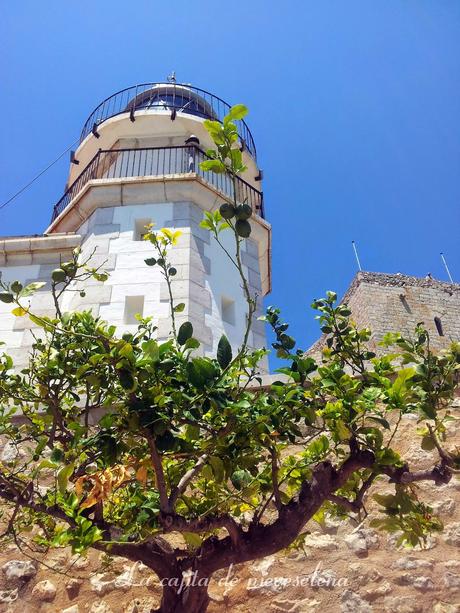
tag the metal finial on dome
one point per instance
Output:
(172, 77)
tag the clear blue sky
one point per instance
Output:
(355, 110)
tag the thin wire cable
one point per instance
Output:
(23, 189)
(446, 267)
(356, 254)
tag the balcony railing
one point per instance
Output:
(160, 162)
(166, 96)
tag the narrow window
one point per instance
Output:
(228, 310)
(139, 228)
(134, 305)
(438, 324)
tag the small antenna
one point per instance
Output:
(172, 77)
(446, 267)
(356, 254)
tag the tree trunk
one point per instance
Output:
(191, 599)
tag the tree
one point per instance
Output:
(194, 446)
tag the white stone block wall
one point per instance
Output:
(29, 259)
(205, 277)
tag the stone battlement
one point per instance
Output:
(397, 303)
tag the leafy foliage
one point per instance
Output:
(131, 438)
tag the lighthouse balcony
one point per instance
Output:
(158, 163)
(171, 98)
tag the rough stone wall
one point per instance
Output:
(341, 568)
(397, 303)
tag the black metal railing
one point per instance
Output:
(173, 97)
(159, 162)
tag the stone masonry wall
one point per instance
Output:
(397, 303)
(341, 567)
(111, 237)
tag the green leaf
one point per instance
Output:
(218, 468)
(6, 297)
(31, 288)
(201, 371)
(212, 126)
(403, 375)
(380, 420)
(127, 381)
(213, 166)
(342, 430)
(179, 307)
(373, 435)
(43, 322)
(100, 276)
(63, 477)
(185, 332)
(224, 352)
(238, 111)
(428, 410)
(318, 447)
(388, 457)
(207, 224)
(150, 261)
(41, 445)
(287, 341)
(428, 443)
(192, 343)
(151, 350)
(192, 432)
(126, 351)
(215, 130)
(107, 420)
(237, 159)
(192, 540)
(47, 464)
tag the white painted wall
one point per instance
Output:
(224, 281)
(19, 273)
(204, 276)
(131, 276)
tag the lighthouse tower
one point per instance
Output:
(138, 162)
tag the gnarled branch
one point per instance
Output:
(262, 540)
(173, 522)
(183, 483)
(440, 474)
